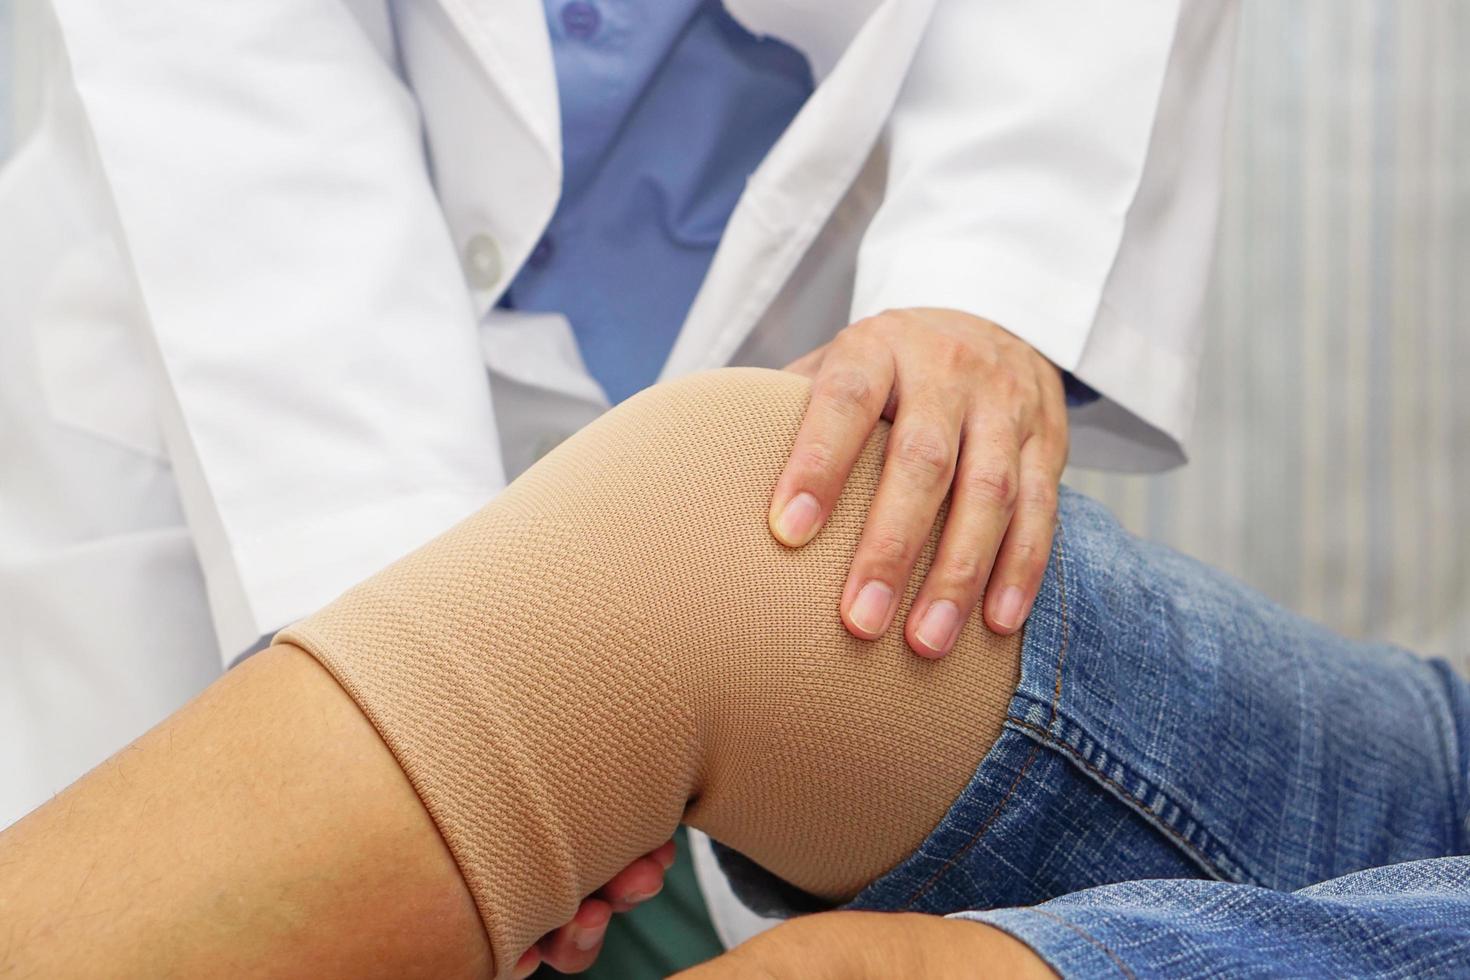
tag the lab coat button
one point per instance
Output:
(482, 262)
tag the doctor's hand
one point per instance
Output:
(978, 415)
(876, 946)
(575, 946)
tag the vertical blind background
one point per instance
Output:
(1331, 457)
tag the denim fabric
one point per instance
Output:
(1171, 724)
(1404, 920)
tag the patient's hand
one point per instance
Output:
(575, 946)
(876, 946)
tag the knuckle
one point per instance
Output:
(1027, 554)
(1040, 496)
(866, 329)
(994, 485)
(815, 456)
(848, 389)
(888, 319)
(953, 354)
(887, 545)
(924, 451)
(966, 570)
(1005, 383)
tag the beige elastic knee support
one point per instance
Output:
(617, 642)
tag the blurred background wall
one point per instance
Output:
(1331, 457)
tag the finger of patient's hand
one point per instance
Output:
(1024, 552)
(575, 946)
(981, 506)
(527, 964)
(847, 398)
(636, 883)
(665, 855)
(916, 477)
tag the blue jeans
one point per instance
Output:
(1194, 781)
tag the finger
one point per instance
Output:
(527, 964)
(635, 884)
(1024, 551)
(917, 471)
(808, 363)
(575, 946)
(982, 500)
(847, 396)
(665, 855)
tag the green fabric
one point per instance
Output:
(666, 934)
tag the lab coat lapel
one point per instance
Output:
(509, 39)
(486, 90)
(790, 196)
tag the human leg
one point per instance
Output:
(1151, 734)
(627, 589)
(261, 831)
(623, 607)
(1172, 723)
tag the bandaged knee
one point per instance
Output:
(617, 643)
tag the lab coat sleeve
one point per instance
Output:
(321, 395)
(1054, 167)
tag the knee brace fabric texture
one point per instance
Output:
(617, 643)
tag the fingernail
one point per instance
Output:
(1008, 608)
(798, 520)
(937, 629)
(586, 939)
(870, 609)
(642, 897)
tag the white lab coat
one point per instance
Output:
(250, 254)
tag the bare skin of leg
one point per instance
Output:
(616, 643)
(265, 830)
(626, 588)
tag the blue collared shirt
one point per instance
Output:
(667, 107)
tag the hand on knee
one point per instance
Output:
(618, 637)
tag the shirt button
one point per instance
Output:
(542, 253)
(482, 262)
(581, 19)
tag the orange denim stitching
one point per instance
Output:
(1117, 960)
(1056, 697)
(954, 858)
(1123, 791)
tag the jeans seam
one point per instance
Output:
(1061, 552)
(1117, 960)
(976, 837)
(984, 828)
(1211, 865)
(1444, 735)
(1048, 737)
